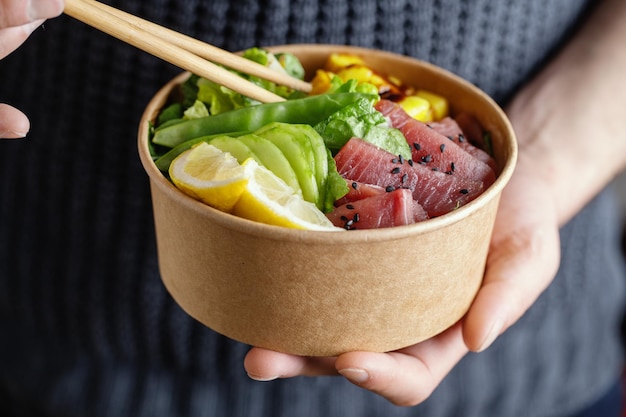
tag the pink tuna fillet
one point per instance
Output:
(449, 128)
(438, 193)
(434, 150)
(396, 208)
(471, 128)
(359, 191)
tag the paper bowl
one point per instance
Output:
(325, 293)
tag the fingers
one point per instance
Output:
(12, 37)
(18, 19)
(523, 260)
(20, 12)
(406, 377)
(13, 123)
(266, 365)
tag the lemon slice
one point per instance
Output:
(266, 198)
(210, 175)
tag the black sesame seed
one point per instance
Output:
(435, 169)
(427, 158)
(390, 188)
(355, 185)
(356, 218)
(417, 146)
(429, 126)
(344, 218)
(450, 137)
(394, 161)
(411, 162)
(401, 159)
(452, 166)
(349, 223)
(461, 137)
(349, 206)
(442, 147)
(464, 191)
(396, 170)
(405, 178)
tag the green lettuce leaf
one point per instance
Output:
(336, 186)
(291, 64)
(217, 98)
(196, 111)
(360, 119)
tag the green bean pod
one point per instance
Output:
(309, 110)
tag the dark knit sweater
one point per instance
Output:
(87, 328)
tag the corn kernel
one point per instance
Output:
(417, 107)
(379, 82)
(337, 62)
(394, 80)
(438, 103)
(321, 82)
(360, 73)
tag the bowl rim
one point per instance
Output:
(338, 236)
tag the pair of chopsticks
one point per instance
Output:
(181, 50)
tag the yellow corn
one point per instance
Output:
(321, 82)
(380, 82)
(438, 103)
(358, 72)
(394, 80)
(422, 105)
(417, 107)
(337, 62)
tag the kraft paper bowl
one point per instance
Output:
(325, 293)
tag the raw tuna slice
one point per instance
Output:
(449, 128)
(419, 213)
(359, 191)
(438, 193)
(434, 150)
(471, 128)
(396, 208)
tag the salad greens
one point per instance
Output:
(309, 110)
(360, 119)
(203, 111)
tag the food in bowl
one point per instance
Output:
(304, 163)
(318, 293)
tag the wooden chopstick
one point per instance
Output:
(208, 51)
(134, 31)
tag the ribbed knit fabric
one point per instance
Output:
(87, 328)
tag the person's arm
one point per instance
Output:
(571, 130)
(572, 133)
(18, 19)
(570, 119)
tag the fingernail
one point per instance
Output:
(43, 9)
(494, 332)
(355, 375)
(261, 378)
(11, 134)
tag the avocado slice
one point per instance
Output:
(319, 152)
(235, 147)
(299, 152)
(270, 156)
